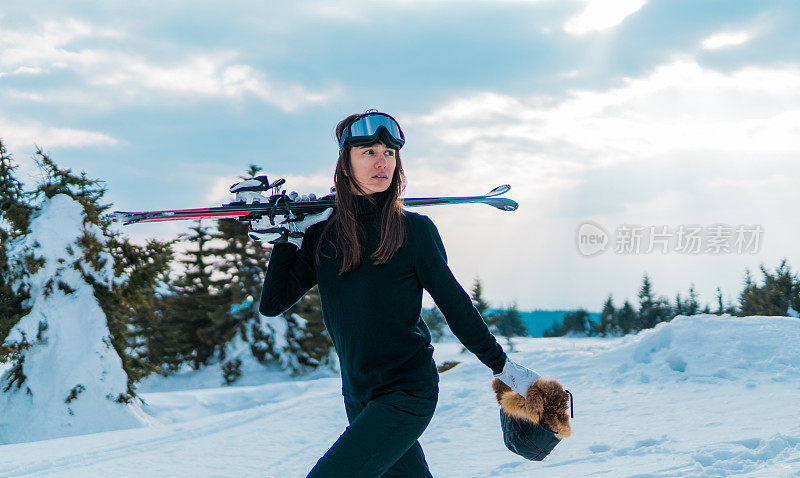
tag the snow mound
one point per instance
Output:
(711, 349)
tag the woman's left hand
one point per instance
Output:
(517, 377)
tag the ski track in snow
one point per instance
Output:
(172, 434)
(694, 398)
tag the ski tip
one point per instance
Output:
(504, 204)
(125, 217)
(499, 190)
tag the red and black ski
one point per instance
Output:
(279, 205)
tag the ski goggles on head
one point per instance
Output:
(371, 128)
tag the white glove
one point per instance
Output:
(290, 229)
(249, 191)
(517, 377)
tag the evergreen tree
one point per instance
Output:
(307, 337)
(304, 342)
(479, 302)
(509, 324)
(553, 331)
(608, 324)
(134, 309)
(665, 312)
(65, 352)
(97, 244)
(680, 306)
(196, 319)
(692, 303)
(689, 306)
(779, 291)
(652, 310)
(576, 322)
(14, 219)
(436, 323)
(626, 318)
(87, 192)
(647, 314)
(482, 306)
(13, 206)
(240, 261)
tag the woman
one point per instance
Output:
(371, 259)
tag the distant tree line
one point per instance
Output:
(777, 294)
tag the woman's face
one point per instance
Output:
(373, 166)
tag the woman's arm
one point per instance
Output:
(290, 274)
(463, 318)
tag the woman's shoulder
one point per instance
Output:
(416, 221)
(420, 228)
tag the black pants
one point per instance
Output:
(381, 440)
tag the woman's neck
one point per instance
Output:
(364, 206)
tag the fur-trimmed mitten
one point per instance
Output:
(533, 425)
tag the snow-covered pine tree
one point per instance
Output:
(67, 376)
(134, 308)
(306, 338)
(296, 340)
(241, 260)
(14, 219)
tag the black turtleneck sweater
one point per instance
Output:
(372, 313)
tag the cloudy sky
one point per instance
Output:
(629, 114)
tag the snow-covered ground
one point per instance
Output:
(700, 396)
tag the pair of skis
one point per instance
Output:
(251, 205)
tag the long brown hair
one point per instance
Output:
(393, 229)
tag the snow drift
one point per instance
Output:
(711, 349)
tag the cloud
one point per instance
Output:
(336, 11)
(61, 96)
(722, 40)
(131, 76)
(552, 150)
(200, 75)
(24, 49)
(679, 106)
(21, 135)
(601, 15)
(758, 185)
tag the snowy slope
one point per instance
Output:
(700, 396)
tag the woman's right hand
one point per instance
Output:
(287, 231)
